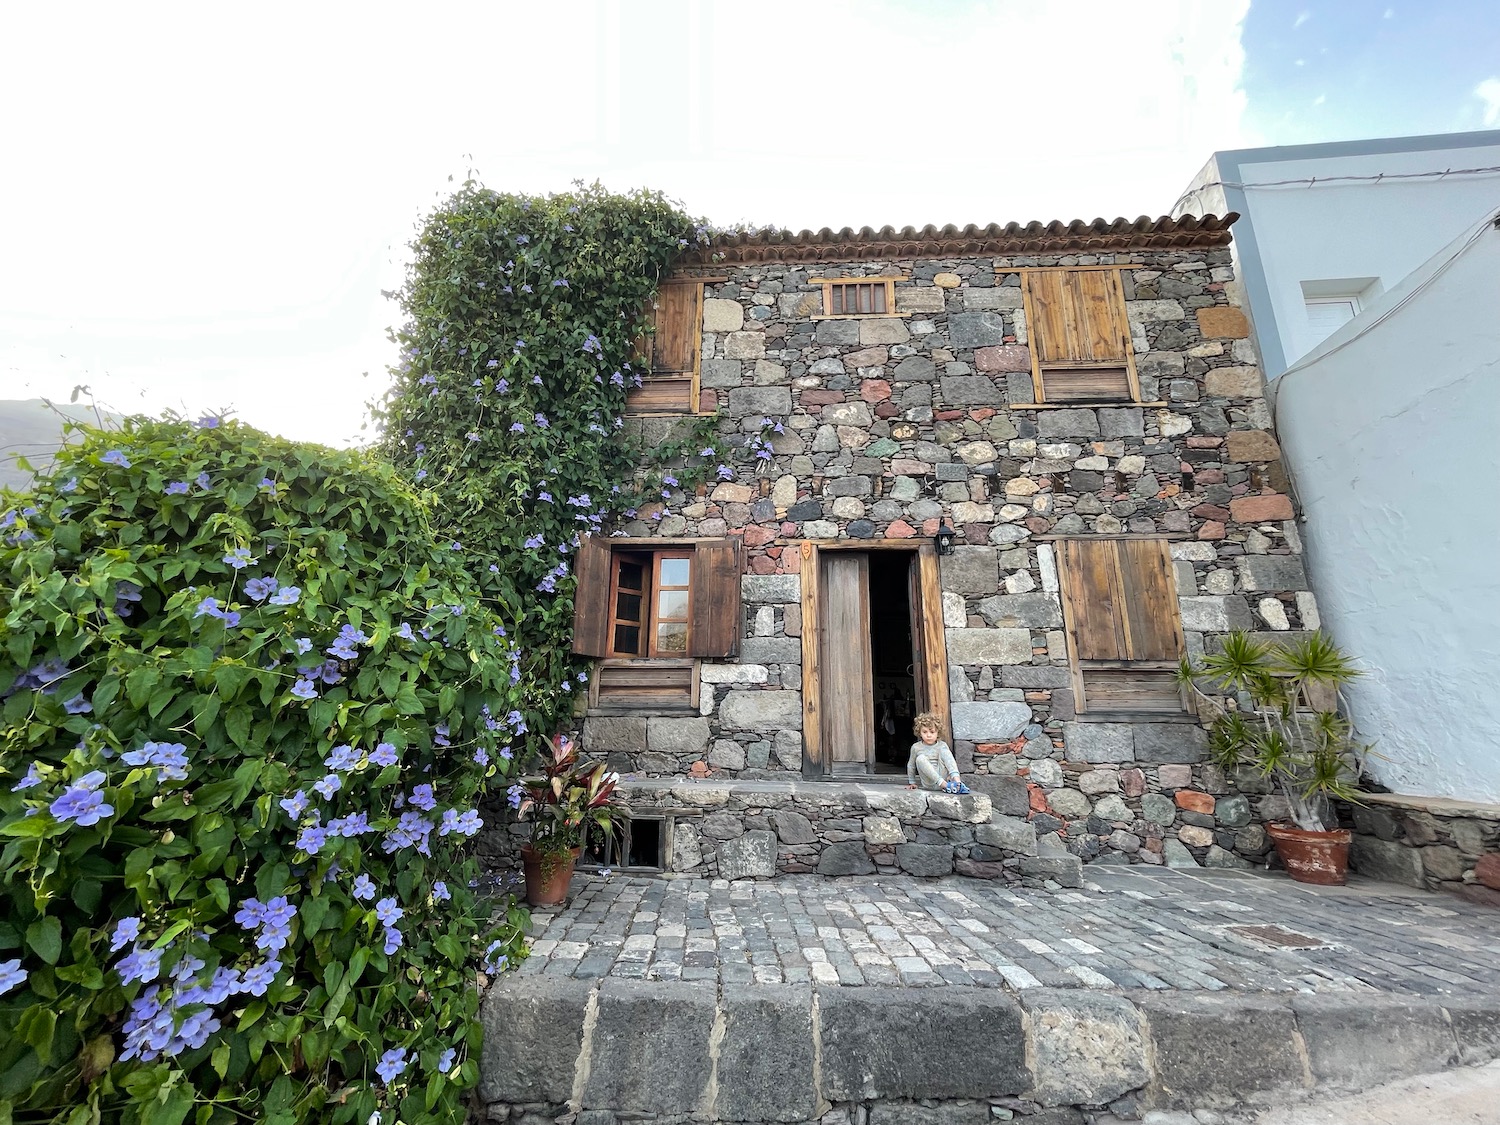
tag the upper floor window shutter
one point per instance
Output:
(591, 598)
(716, 599)
(1080, 337)
(670, 386)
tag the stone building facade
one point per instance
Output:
(1081, 407)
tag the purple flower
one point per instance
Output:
(239, 558)
(312, 839)
(355, 824)
(342, 758)
(252, 913)
(208, 607)
(392, 940)
(208, 422)
(304, 645)
(78, 705)
(70, 485)
(535, 541)
(393, 1063)
(388, 912)
(405, 632)
(261, 588)
(328, 786)
(465, 824)
(363, 889)
(139, 964)
(170, 758)
(115, 457)
(541, 421)
(202, 480)
(32, 778)
(517, 428)
(126, 931)
(176, 488)
(287, 595)
(258, 979)
(304, 689)
(560, 281)
(446, 1060)
(440, 891)
(422, 798)
(384, 755)
(295, 805)
(85, 806)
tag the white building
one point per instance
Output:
(1372, 272)
(1325, 229)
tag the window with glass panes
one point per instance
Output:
(651, 608)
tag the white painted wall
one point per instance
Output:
(1391, 430)
(1351, 229)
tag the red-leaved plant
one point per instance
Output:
(567, 798)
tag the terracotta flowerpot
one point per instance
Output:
(1313, 857)
(548, 875)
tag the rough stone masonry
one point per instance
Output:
(883, 428)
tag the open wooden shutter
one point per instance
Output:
(716, 599)
(1080, 337)
(929, 648)
(591, 599)
(669, 387)
(1120, 609)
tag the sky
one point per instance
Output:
(203, 207)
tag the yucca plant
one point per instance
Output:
(1293, 732)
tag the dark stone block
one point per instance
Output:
(1180, 743)
(951, 471)
(1065, 870)
(805, 510)
(1365, 1042)
(1476, 1026)
(1221, 1050)
(908, 1043)
(1045, 823)
(533, 1037)
(1033, 676)
(1083, 480)
(756, 1084)
(650, 1046)
(847, 858)
(1007, 794)
(971, 390)
(861, 529)
(926, 860)
(983, 853)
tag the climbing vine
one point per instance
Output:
(523, 320)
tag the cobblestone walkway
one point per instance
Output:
(1136, 928)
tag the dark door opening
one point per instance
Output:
(894, 700)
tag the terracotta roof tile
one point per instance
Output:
(1098, 236)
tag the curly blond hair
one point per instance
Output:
(927, 720)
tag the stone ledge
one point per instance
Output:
(1437, 806)
(684, 1051)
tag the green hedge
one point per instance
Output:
(249, 705)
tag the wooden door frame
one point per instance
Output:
(933, 674)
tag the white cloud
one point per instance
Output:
(1320, 99)
(1488, 92)
(214, 198)
(1302, 18)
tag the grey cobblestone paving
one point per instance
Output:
(1137, 928)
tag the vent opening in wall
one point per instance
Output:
(636, 843)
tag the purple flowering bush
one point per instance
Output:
(244, 728)
(522, 340)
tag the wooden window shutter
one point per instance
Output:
(716, 599)
(1120, 609)
(1080, 337)
(591, 597)
(670, 386)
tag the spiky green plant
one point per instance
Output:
(1292, 733)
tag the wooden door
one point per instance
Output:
(848, 683)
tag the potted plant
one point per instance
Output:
(561, 804)
(1293, 734)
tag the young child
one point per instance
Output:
(931, 758)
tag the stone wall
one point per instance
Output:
(883, 428)
(1429, 842)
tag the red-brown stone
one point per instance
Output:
(708, 402)
(1001, 358)
(1132, 782)
(1011, 747)
(982, 413)
(1255, 509)
(762, 564)
(1211, 512)
(1487, 870)
(774, 552)
(791, 562)
(1203, 441)
(976, 532)
(874, 390)
(1038, 798)
(949, 415)
(1038, 525)
(930, 527)
(758, 536)
(1209, 476)
(887, 409)
(900, 530)
(788, 529)
(818, 397)
(1194, 801)
(1213, 529)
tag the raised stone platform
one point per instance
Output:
(877, 1000)
(1432, 842)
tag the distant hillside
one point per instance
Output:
(34, 430)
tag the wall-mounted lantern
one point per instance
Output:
(944, 539)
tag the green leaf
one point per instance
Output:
(44, 937)
(35, 1028)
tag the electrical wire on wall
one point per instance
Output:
(1313, 181)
